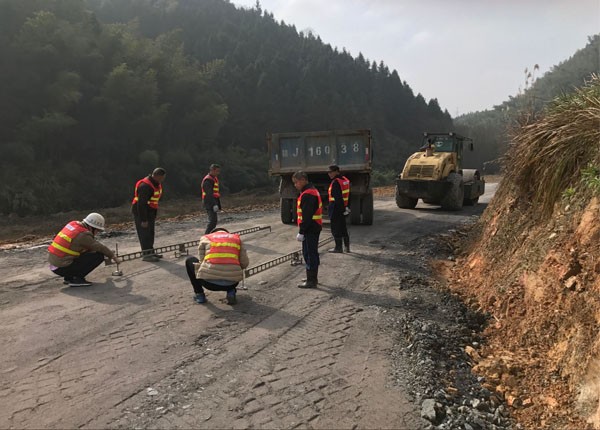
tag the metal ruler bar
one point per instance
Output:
(181, 247)
(296, 255)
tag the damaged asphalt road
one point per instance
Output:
(378, 344)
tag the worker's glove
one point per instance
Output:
(216, 208)
(347, 211)
(300, 237)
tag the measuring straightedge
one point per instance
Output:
(179, 248)
(294, 257)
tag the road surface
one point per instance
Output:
(136, 351)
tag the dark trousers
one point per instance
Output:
(338, 225)
(212, 220)
(199, 283)
(310, 251)
(81, 266)
(145, 234)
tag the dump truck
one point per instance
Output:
(435, 174)
(313, 153)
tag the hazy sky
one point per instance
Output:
(469, 54)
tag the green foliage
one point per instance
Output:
(590, 177)
(149, 159)
(95, 93)
(382, 178)
(569, 193)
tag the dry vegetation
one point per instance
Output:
(533, 263)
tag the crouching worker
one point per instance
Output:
(223, 259)
(75, 252)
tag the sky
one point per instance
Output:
(469, 54)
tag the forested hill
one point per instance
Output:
(491, 128)
(97, 92)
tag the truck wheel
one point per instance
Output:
(453, 201)
(405, 202)
(367, 209)
(354, 210)
(287, 216)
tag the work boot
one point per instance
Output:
(338, 246)
(231, 299)
(200, 298)
(153, 258)
(79, 282)
(347, 243)
(311, 280)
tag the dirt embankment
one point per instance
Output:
(533, 263)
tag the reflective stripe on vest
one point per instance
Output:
(61, 245)
(153, 201)
(215, 180)
(344, 186)
(224, 248)
(318, 215)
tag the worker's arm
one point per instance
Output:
(144, 194)
(244, 261)
(338, 204)
(309, 205)
(87, 241)
(209, 199)
(203, 246)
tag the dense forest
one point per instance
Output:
(95, 93)
(492, 129)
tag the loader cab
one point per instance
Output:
(448, 142)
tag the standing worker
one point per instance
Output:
(310, 221)
(339, 193)
(219, 266)
(211, 197)
(144, 207)
(75, 252)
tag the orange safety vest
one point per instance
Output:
(344, 185)
(318, 216)
(153, 201)
(61, 245)
(215, 180)
(224, 248)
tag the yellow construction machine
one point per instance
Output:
(435, 174)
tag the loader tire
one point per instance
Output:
(404, 202)
(453, 201)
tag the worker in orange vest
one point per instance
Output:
(339, 196)
(75, 252)
(219, 266)
(309, 214)
(144, 206)
(211, 196)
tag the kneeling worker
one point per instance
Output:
(219, 266)
(75, 252)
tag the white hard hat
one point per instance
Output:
(95, 220)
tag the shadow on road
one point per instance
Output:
(107, 292)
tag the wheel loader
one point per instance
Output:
(435, 174)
